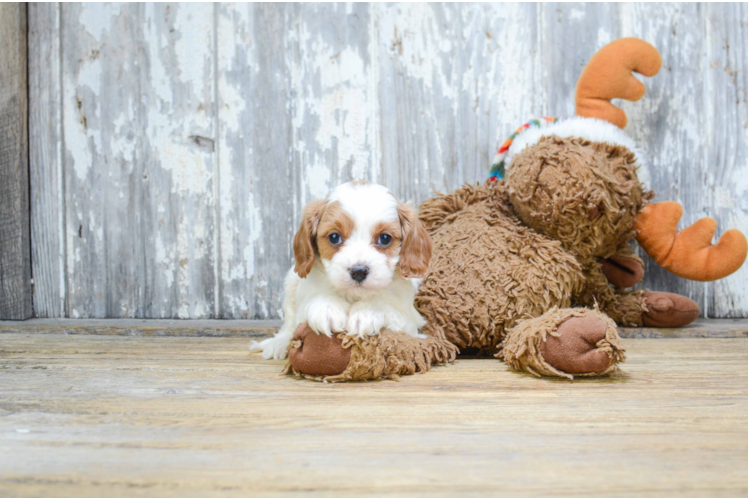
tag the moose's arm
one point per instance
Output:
(622, 305)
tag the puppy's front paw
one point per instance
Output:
(398, 323)
(327, 318)
(363, 321)
(272, 348)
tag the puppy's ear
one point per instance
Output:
(304, 243)
(415, 252)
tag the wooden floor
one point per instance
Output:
(114, 415)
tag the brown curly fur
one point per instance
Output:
(584, 194)
(510, 259)
(521, 349)
(387, 355)
(488, 270)
(509, 251)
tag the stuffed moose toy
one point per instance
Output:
(534, 266)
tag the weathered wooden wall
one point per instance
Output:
(174, 145)
(15, 247)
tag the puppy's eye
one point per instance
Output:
(384, 240)
(334, 239)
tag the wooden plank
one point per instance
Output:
(255, 329)
(570, 34)
(449, 90)
(181, 184)
(15, 246)
(45, 161)
(106, 416)
(139, 159)
(312, 120)
(335, 97)
(295, 120)
(255, 138)
(724, 135)
(701, 328)
(666, 124)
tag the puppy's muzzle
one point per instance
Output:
(359, 273)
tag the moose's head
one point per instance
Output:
(576, 180)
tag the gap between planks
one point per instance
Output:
(701, 328)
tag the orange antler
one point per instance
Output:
(689, 253)
(608, 76)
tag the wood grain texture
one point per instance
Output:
(46, 175)
(254, 329)
(255, 146)
(258, 329)
(15, 245)
(725, 141)
(674, 96)
(138, 121)
(193, 135)
(123, 416)
(450, 76)
(571, 33)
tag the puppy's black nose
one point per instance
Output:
(359, 273)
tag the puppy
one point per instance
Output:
(360, 255)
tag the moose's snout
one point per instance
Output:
(359, 273)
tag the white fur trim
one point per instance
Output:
(592, 129)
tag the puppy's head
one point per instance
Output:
(362, 236)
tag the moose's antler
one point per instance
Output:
(689, 253)
(608, 76)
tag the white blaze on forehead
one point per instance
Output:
(367, 204)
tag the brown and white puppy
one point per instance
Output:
(360, 254)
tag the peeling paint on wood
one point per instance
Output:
(137, 89)
(668, 122)
(175, 153)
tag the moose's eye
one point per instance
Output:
(335, 239)
(384, 240)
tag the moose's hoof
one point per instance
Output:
(668, 310)
(316, 354)
(575, 350)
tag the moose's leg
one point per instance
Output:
(632, 307)
(668, 310)
(564, 343)
(344, 358)
(646, 308)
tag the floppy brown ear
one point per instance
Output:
(415, 252)
(304, 243)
